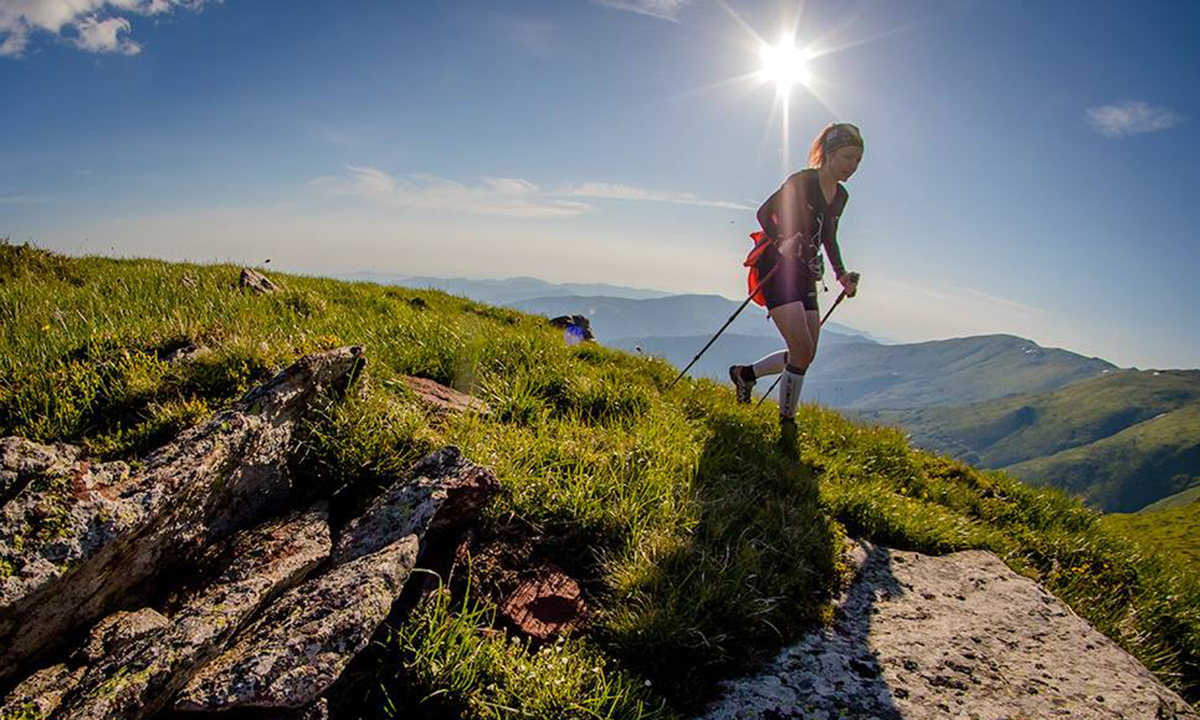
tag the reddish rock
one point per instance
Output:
(545, 606)
(445, 399)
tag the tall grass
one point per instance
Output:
(701, 546)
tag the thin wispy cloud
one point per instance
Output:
(664, 9)
(17, 199)
(626, 192)
(100, 26)
(498, 197)
(1130, 118)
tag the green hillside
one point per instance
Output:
(1143, 463)
(1186, 497)
(1174, 531)
(702, 544)
(1121, 440)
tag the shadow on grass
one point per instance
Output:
(757, 571)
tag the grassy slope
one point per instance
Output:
(700, 544)
(1172, 532)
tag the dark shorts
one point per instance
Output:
(793, 282)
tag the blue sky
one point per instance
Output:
(1030, 166)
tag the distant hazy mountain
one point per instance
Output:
(855, 373)
(1122, 440)
(674, 316)
(506, 291)
(729, 349)
(608, 306)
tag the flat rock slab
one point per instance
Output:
(118, 630)
(959, 636)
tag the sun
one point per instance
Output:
(785, 65)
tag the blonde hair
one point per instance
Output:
(832, 137)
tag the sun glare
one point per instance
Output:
(785, 65)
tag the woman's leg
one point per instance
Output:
(771, 364)
(793, 324)
(814, 331)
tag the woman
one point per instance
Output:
(800, 218)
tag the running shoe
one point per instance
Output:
(743, 388)
(787, 434)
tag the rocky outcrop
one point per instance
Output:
(300, 646)
(958, 636)
(139, 678)
(210, 594)
(77, 539)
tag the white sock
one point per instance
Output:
(772, 364)
(789, 390)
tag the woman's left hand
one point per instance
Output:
(849, 283)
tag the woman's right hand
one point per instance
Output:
(790, 248)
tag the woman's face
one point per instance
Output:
(845, 161)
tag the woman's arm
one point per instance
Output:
(829, 240)
(767, 214)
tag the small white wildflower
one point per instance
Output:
(647, 683)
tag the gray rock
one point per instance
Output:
(139, 678)
(442, 490)
(256, 282)
(318, 710)
(301, 644)
(119, 629)
(73, 547)
(186, 354)
(39, 695)
(958, 636)
(22, 461)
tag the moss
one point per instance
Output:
(27, 711)
(122, 679)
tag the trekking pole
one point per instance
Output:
(840, 298)
(741, 307)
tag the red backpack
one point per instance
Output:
(761, 243)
